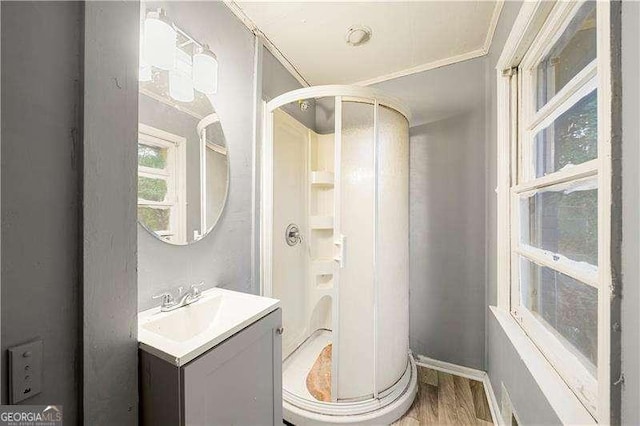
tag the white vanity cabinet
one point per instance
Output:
(237, 382)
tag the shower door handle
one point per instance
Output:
(341, 242)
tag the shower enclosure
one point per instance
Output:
(335, 252)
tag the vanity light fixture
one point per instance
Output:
(159, 40)
(166, 47)
(180, 78)
(205, 71)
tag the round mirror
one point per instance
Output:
(183, 167)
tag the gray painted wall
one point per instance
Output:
(41, 130)
(223, 257)
(440, 93)
(446, 189)
(631, 212)
(109, 292)
(507, 368)
(276, 80)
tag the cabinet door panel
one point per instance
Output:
(239, 381)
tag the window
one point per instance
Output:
(554, 192)
(161, 183)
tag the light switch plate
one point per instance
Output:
(25, 371)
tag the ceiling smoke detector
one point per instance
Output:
(358, 35)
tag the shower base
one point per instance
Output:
(301, 408)
(297, 366)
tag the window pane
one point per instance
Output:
(571, 139)
(575, 49)
(151, 189)
(152, 156)
(564, 220)
(566, 307)
(155, 219)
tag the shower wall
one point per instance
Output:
(290, 206)
(302, 274)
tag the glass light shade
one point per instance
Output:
(180, 79)
(159, 43)
(205, 73)
(180, 87)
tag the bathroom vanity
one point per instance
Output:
(216, 361)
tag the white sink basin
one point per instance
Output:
(187, 322)
(181, 335)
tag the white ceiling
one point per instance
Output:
(408, 37)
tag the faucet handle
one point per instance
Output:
(166, 297)
(195, 288)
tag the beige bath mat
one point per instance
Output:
(319, 378)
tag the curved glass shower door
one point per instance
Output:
(355, 235)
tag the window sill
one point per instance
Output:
(566, 405)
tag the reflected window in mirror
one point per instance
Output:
(162, 183)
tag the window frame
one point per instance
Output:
(175, 176)
(537, 28)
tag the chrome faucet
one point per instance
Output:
(170, 304)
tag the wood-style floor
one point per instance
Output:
(447, 399)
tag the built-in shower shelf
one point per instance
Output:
(320, 292)
(323, 266)
(322, 178)
(321, 222)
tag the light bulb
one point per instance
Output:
(180, 79)
(205, 72)
(159, 41)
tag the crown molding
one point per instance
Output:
(493, 24)
(495, 16)
(423, 67)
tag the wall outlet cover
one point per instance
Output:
(25, 371)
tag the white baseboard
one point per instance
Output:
(469, 373)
